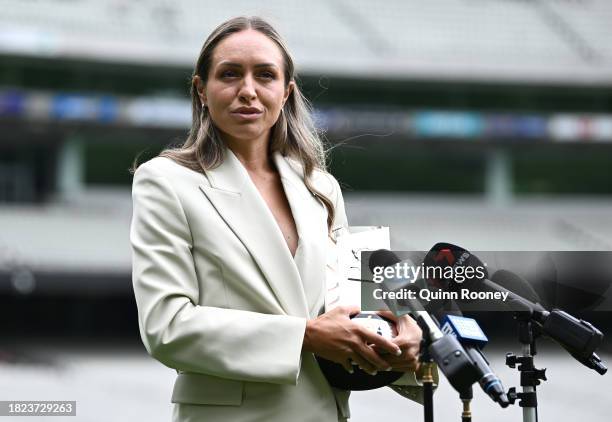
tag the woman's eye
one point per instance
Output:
(228, 74)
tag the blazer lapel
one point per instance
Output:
(310, 219)
(241, 206)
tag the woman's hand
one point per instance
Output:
(408, 338)
(335, 337)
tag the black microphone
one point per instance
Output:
(469, 334)
(573, 281)
(516, 284)
(473, 340)
(578, 337)
(446, 350)
(447, 257)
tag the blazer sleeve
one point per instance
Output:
(178, 332)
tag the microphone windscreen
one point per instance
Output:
(446, 255)
(382, 258)
(516, 284)
(574, 281)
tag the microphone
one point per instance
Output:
(466, 330)
(574, 281)
(578, 337)
(383, 258)
(470, 335)
(445, 350)
(448, 256)
(516, 284)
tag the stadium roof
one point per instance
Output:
(545, 41)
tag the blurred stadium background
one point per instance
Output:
(486, 123)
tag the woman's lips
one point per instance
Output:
(247, 115)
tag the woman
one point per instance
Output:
(229, 237)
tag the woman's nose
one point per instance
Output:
(247, 89)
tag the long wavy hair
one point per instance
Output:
(294, 133)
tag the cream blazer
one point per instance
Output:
(220, 298)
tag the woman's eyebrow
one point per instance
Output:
(234, 64)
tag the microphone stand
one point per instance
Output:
(530, 375)
(427, 363)
(457, 378)
(466, 398)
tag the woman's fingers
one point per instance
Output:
(408, 361)
(374, 361)
(333, 336)
(348, 365)
(363, 363)
(408, 326)
(409, 340)
(378, 341)
(409, 335)
(348, 310)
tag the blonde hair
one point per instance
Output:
(293, 135)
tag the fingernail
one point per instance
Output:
(373, 373)
(388, 369)
(398, 352)
(351, 371)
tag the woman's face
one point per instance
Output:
(245, 90)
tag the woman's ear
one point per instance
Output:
(288, 91)
(201, 89)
